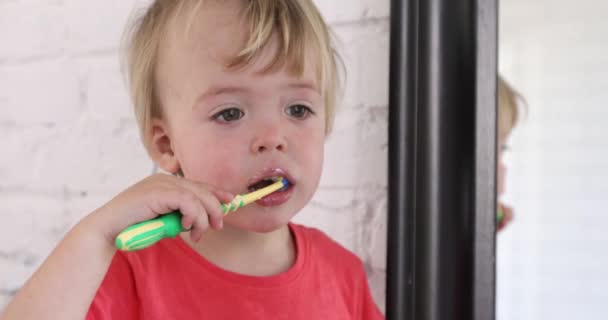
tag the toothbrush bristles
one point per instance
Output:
(285, 184)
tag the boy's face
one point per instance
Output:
(501, 168)
(232, 128)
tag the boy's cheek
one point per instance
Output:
(312, 159)
(500, 178)
(226, 175)
(214, 167)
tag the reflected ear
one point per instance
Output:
(160, 148)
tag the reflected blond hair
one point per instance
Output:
(297, 23)
(508, 108)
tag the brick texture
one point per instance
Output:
(70, 141)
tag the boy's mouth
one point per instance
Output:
(267, 178)
(263, 183)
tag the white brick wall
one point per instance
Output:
(552, 261)
(70, 141)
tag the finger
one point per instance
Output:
(191, 208)
(196, 219)
(212, 202)
(214, 210)
(201, 224)
(188, 221)
(166, 201)
(507, 217)
(501, 225)
(187, 203)
(223, 196)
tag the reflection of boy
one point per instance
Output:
(508, 114)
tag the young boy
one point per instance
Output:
(508, 115)
(227, 95)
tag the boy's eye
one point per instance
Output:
(299, 111)
(228, 115)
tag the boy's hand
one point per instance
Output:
(200, 205)
(507, 216)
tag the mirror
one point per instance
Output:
(552, 261)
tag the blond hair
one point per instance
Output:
(297, 23)
(508, 108)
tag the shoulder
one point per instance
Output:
(340, 268)
(329, 252)
(128, 268)
(143, 261)
(116, 296)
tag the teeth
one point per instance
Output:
(263, 183)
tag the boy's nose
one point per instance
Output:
(269, 140)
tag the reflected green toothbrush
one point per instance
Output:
(147, 233)
(499, 216)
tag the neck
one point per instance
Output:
(246, 252)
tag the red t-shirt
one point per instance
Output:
(172, 281)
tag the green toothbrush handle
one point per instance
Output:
(147, 233)
(499, 216)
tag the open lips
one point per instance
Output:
(268, 177)
(264, 182)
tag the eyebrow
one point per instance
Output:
(218, 90)
(302, 85)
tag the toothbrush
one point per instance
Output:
(147, 233)
(499, 216)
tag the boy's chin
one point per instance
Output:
(263, 222)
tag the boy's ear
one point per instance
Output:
(160, 148)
